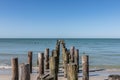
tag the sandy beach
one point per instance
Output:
(95, 74)
(8, 77)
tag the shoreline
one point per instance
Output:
(95, 74)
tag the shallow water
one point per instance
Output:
(102, 52)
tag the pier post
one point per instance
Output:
(30, 60)
(63, 44)
(47, 58)
(56, 54)
(72, 54)
(25, 72)
(114, 77)
(63, 55)
(52, 53)
(41, 63)
(76, 59)
(66, 61)
(72, 72)
(15, 72)
(85, 67)
(57, 48)
(53, 67)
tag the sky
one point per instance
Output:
(59, 18)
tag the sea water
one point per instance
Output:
(104, 53)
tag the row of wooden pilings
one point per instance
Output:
(70, 64)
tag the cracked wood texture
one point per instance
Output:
(30, 60)
(85, 67)
(15, 72)
(25, 72)
(41, 63)
(47, 58)
(72, 72)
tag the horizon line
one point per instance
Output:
(59, 38)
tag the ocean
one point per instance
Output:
(103, 53)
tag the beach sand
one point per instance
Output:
(33, 77)
(101, 74)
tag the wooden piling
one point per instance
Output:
(30, 60)
(52, 53)
(72, 72)
(85, 67)
(72, 54)
(58, 42)
(25, 72)
(76, 58)
(114, 77)
(47, 58)
(66, 61)
(41, 63)
(53, 67)
(15, 72)
(57, 48)
(63, 55)
(63, 43)
(56, 54)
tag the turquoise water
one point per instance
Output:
(102, 52)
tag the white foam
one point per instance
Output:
(4, 66)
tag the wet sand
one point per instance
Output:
(99, 74)
(8, 77)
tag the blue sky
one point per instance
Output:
(59, 18)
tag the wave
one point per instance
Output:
(5, 66)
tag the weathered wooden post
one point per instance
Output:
(55, 54)
(47, 58)
(63, 52)
(41, 63)
(30, 60)
(58, 42)
(57, 48)
(72, 72)
(63, 56)
(52, 53)
(25, 72)
(85, 67)
(114, 77)
(62, 41)
(53, 67)
(58, 59)
(72, 54)
(76, 58)
(15, 72)
(63, 44)
(66, 61)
